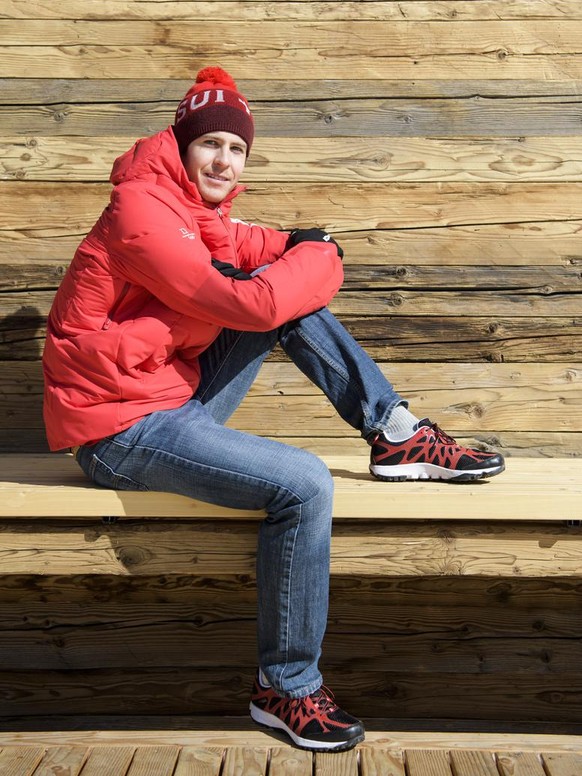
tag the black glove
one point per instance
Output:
(312, 235)
(230, 270)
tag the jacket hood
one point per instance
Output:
(158, 156)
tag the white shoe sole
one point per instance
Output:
(269, 720)
(430, 471)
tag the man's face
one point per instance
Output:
(214, 163)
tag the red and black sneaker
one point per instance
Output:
(430, 454)
(313, 722)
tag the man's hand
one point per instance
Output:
(230, 270)
(312, 235)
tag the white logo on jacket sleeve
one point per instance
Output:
(185, 233)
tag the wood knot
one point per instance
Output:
(132, 556)
(395, 300)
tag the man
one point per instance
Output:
(156, 334)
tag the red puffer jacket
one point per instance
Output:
(141, 300)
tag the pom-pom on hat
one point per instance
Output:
(213, 104)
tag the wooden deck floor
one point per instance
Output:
(223, 753)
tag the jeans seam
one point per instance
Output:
(288, 594)
(96, 461)
(345, 376)
(223, 361)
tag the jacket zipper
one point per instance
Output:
(221, 216)
(117, 305)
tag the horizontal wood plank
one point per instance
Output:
(318, 160)
(527, 243)
(490, 399)
(43, 91)
(298, 40)
(466, 398)
(35, 305)
(463, 607)
(159, 642)
(336, 207)
(498, 549)
(323, 116)
(82, 60)
(22, 275)
(419, 340)
(404, 10)
(521, 444)
(36, 486)
(208, 732)
(189, 692)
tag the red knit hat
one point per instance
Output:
(213, 104)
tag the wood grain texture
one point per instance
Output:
(446, 10)
(213, 548)
(531, 244)
(153, 761)
(509, 697)
(520, 764)
(433, 762)
(43, 91)
(18, 761)
(561, 764)
(99, 639)
(478, 398)
(529, 490)
(62, 761)
(473, 763)
(323, 116)
(521, 444)
(341, 207)
(113, 760)
(199, 761)
(332, 39)
(318, 160)
(501, 49)
(377, 763)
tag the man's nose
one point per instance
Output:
(221, 158)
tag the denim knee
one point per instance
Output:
(305, 487)
(320, 477)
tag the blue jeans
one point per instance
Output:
(189, 451)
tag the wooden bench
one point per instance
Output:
(514, 524)
(66, 546)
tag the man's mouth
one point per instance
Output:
(216, 177)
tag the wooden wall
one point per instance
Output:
(440, 142)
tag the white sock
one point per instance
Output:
(263, 679)
(401, 424)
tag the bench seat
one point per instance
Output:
(532, 489)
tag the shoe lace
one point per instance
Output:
(324, 699)
(441, 437)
